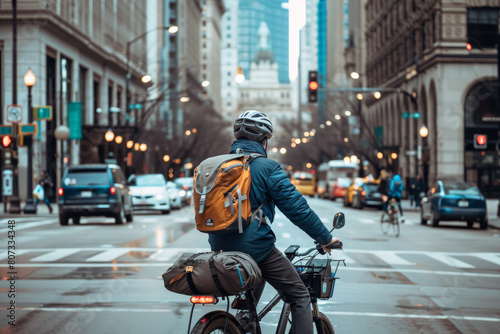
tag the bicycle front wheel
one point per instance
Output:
(385, 224)
(325, 323)
(214, 322)
(395, 225)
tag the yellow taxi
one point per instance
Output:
(363, 192)
(305, 182)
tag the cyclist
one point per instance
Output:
(271, 186)
(396, 191)
(383, 188)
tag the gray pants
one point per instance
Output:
(278, 271)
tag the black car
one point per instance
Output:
(450, 200)
(367, 195)
(94, 190)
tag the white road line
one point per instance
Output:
(391, 258)
(55, 255)
(24, 226)
(286, 235)
(334, 313)
(489, 257)
(367, 221)
(448, 260)
(164, 254)
(108, 255)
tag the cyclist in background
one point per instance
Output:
(270, 185)
(395, 191)
(383, 188)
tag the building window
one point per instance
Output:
(482, 27)
(97, 100)
(83, 91)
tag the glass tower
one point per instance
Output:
(250, 15)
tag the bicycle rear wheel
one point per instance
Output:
(213, 323)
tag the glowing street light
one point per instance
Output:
(355, 75)
(109, 135)
(424, 131)
(130, 144)
(240, 78)
(118, 139)
(166, 158)
(380, 155)
(282, 150)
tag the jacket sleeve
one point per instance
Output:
(294, 206)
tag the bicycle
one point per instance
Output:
(315, 273)
(390, 219)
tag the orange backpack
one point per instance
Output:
(221, 194)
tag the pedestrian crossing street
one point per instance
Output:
(154, 256)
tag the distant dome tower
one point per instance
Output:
(264, 69)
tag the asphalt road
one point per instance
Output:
(99, 277)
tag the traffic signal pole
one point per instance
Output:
(15, 206)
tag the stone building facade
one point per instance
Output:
(417, 51)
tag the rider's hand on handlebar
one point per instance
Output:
(325, 247)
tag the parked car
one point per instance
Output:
(367, 195)
(450, 200)
(175, 191)
(340, 187)
(94, 190)
(187, 184)
(149, 192)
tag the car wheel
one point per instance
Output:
(120, 217)
(63, 219)
(423, 221)
(129, 217)
(470, 224)
(483, 223)
(434, 219)
(76, 219)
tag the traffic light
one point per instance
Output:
(6, 141)
(480, 141)
(313, 86)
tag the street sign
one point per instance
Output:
(28, 129)
(43, 113)
(5, 130)
(75, 120)
(135, 106)
(411, 114)
(114, 109)
(14, 113)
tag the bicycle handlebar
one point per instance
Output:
(319, 248)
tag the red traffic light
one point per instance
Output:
(469, 46)
(313, 85)
(481, 139)
(6, 141)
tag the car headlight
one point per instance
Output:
(182, 193)
(160, 196)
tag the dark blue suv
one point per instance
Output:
(94, 190)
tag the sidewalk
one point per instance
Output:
(491, 204)
(42, 211)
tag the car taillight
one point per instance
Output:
(112, 190)
(363, 193)
(60, 191)
(186, 187)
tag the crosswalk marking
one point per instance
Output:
(5, 255)
(450, 261)
(163, 255)
(55, 255)
(489, 257)
(25, 226)
(108, 255)
(391, 258)
(367, 220)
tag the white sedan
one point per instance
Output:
(149, 192)
(176, 192)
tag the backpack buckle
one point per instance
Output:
(189, 269)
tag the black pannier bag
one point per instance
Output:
(213, 273)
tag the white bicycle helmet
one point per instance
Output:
(253, 125)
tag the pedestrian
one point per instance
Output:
(419, 190)
(270, 185)
(411, 190)
(47, 184)
(383, 188)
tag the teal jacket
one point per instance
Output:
(269, 181)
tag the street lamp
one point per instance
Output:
(240, 77)
(171, 30)
(29, 81)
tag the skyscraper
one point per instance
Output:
(250, 15)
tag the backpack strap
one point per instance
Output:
(259, 212)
